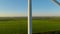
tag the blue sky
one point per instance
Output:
(13, 8)
(19, 8)
(45, 8)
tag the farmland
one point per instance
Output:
(18, 25)
(46, 24)
(13, 25)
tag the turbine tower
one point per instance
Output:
(29, 16)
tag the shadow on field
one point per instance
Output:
(50, 32)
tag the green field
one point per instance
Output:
(45, 24)
(18, 25)
(13, 25)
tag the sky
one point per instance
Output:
(15, 8)
(45, 8)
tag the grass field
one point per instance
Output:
(13, 25)
(18, 25)
(45, 24)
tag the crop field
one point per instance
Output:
(13, 25)
(40, 25)
(46, 25)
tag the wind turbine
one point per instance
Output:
(29, 16)
(56, 2)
